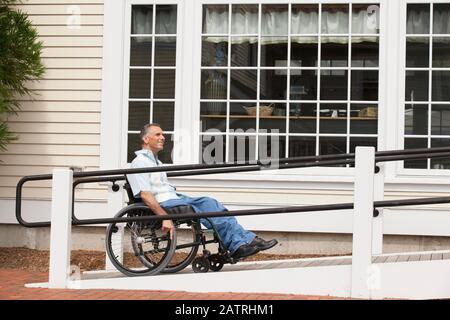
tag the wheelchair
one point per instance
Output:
(142, 249)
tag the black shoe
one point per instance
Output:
(262, 244)
(244, 251)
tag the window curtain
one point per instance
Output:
(142, 21)
(275, 24)
(418, 22)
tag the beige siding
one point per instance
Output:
(61, 127)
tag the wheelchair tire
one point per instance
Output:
(141, 249)
(175, 264)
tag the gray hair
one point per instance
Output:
(145, 129)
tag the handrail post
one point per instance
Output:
(61, 227)
(362, 221)
(377, 229)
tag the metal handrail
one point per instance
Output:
(201, 169)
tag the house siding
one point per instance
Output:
(60, 126)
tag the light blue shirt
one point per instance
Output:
(154, 182)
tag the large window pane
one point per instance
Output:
(212, 149)
(165, 51)
(214, 84)
(304, 51)
(214, 51)
(333, 118)
(304, 19)
(411, 143)
(365, 52)
(440, 163)
(274, 19)
(274, 119)
(302, 117)
(142, 19)
(241, 148)
(335, 18)
(416, 88)
(140, 83)
(441, 52)
(441, 85)
(440, 119)
(138, 115)
(334, 52)
(271, 148)
(365, 18)
(244, 19)
(364, 85)
(332, 145)
(333, 84)
(164, 81)
(243, 116)
(417, 52)
(418, 19)
(303, 85)
(134, 144)
(166, 19)
(363, 119)
(243, 84)
(302, 146)
(141, 51)
(273, 84)
(163, 113)
(215, 19)
(274, 51)
(244, 51)
(213, 116)
(416, 119)
(441, 17)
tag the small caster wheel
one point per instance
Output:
(216, 262)
(200, 265)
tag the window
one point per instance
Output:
(285, 80)
(427, 81)
(151, 73)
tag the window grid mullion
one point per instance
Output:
(430, 87)
(288, 89)
(349, 79)
(258, 80)
(228, 112)
(152, 77)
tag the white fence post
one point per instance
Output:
(61, 227)
(115, 203)
(377, 227)
(362, 221)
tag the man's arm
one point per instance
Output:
(151, 202)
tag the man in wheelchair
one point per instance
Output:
(157, 193)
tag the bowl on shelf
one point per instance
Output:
(263, 110)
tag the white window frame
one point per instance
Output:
(437, 176)
(311, 174)
(187, 96)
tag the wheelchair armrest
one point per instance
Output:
(179, 209)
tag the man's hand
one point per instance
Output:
(167, 226)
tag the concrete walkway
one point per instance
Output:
(12, 287)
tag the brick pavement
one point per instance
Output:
(12, 287)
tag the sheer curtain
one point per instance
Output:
(142, 23)
(275, 24)
(418, 22)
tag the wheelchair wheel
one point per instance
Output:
(138, 248)
(186, 249)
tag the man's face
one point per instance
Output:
(155, 139)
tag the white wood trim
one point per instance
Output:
(112, 84)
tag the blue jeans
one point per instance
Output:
(233, 235)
